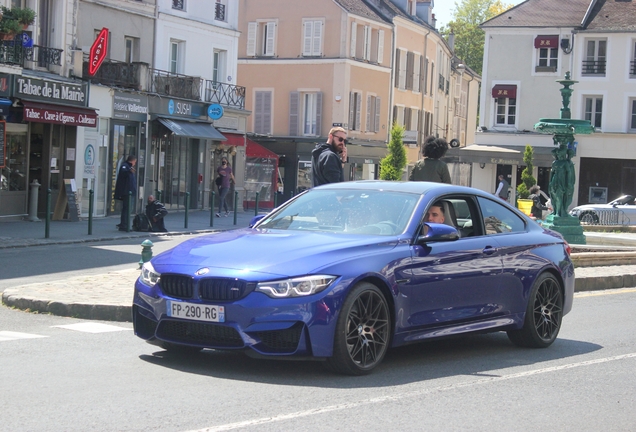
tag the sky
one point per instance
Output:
(443, 10)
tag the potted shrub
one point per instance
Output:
(527, 181)
(13, 21)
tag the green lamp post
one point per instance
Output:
(562, 177)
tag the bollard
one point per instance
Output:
(235, 205)
(91, 197)
(159, 193)
(146, 252)
(212, 208)
(256, 207)
(276, 200)
(47, 219)
(128, 211)
(33, 202)
(187, 206)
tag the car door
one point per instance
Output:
(452, 282)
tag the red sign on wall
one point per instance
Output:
(98, 52)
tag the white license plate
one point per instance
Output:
(194, 311)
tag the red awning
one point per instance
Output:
(254, 149)
(236, 140)
(59, 114)
(505, 91)
(546, 42)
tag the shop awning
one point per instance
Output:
(501, 155)
(546, 41)
(234, 139)
(59, 114)
(254, 149)
(505, 91)
(193, 130)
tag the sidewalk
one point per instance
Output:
(109, 296)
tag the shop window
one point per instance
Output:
(14, 173)
(261, 38)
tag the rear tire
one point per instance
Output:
(543, 315)
(589, 218)
(363, 332)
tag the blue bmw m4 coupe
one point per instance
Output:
(344, 272)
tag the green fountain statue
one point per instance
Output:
(562, 177)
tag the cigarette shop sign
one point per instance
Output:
(36, 89)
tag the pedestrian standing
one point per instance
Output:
(430, 168)
(327, 159)
(226, 175)
(126, 182)
(502, 188)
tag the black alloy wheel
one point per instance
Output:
(589, 218)
(362, 332)
(543, 315)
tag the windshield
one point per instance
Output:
(346, 211)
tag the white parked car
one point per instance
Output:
(621, 211)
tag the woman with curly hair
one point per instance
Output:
(430, 167)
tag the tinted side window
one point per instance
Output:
(498, 219)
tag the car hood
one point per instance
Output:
(253, 253)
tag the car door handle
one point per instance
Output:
(489, 250)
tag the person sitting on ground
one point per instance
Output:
(537, 206)
(156, 211)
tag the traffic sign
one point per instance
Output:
(98, 52)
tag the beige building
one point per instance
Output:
(362, 64)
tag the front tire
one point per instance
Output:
(543, 315)
(363, 332)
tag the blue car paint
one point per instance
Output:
(396, 263)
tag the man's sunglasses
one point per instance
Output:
(340, 139)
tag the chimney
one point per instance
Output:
(451, 41)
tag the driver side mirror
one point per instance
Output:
(438, 232)
(255, 220)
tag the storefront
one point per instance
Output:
(177, 162)
(41, 141)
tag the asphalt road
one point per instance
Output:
(71, 379)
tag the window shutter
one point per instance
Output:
(367, 43)
(318, 112)
(403, 59)
(423, 72)
(397, 68)
(417, 61)
(307, 37)
(258, 112)
(378, 106)
(354, 31)
(317, 47)
(358, 110)
(269, 43)
(294, 101)
(409, 70)
(251, 39)
(267, 113)
(380, 46)
(369, 126)
(351, 110)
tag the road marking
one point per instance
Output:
(605, 292)
(9, 335)
(396, 397)
(89, 327)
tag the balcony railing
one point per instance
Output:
(13, 52)
(594, 67)
(219, 12)
(442, 82)
(117, 74)
(632, 69)
(176, 85)
(225, 94)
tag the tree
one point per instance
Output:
(469, 38)
(393, 164)
(523, 190)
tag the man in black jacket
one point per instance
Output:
(126, 182)
(327, 159)
(156, 211)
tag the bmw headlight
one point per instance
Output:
(575, 212)
(295, 287)
(149, 275)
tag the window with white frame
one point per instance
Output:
(355, 110)
(361, 41)
(505, 111)
(178, 4)
(262, 112)
(312, 37)
(311, 108)
(398, 115)
(374, 104)
(177, 50)
(593, 110)
(220, 10)
(595, 57)
(377, 46)
(547, 48)
(132, 49)
(632, 115)
(261, 38)
(219, 62)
